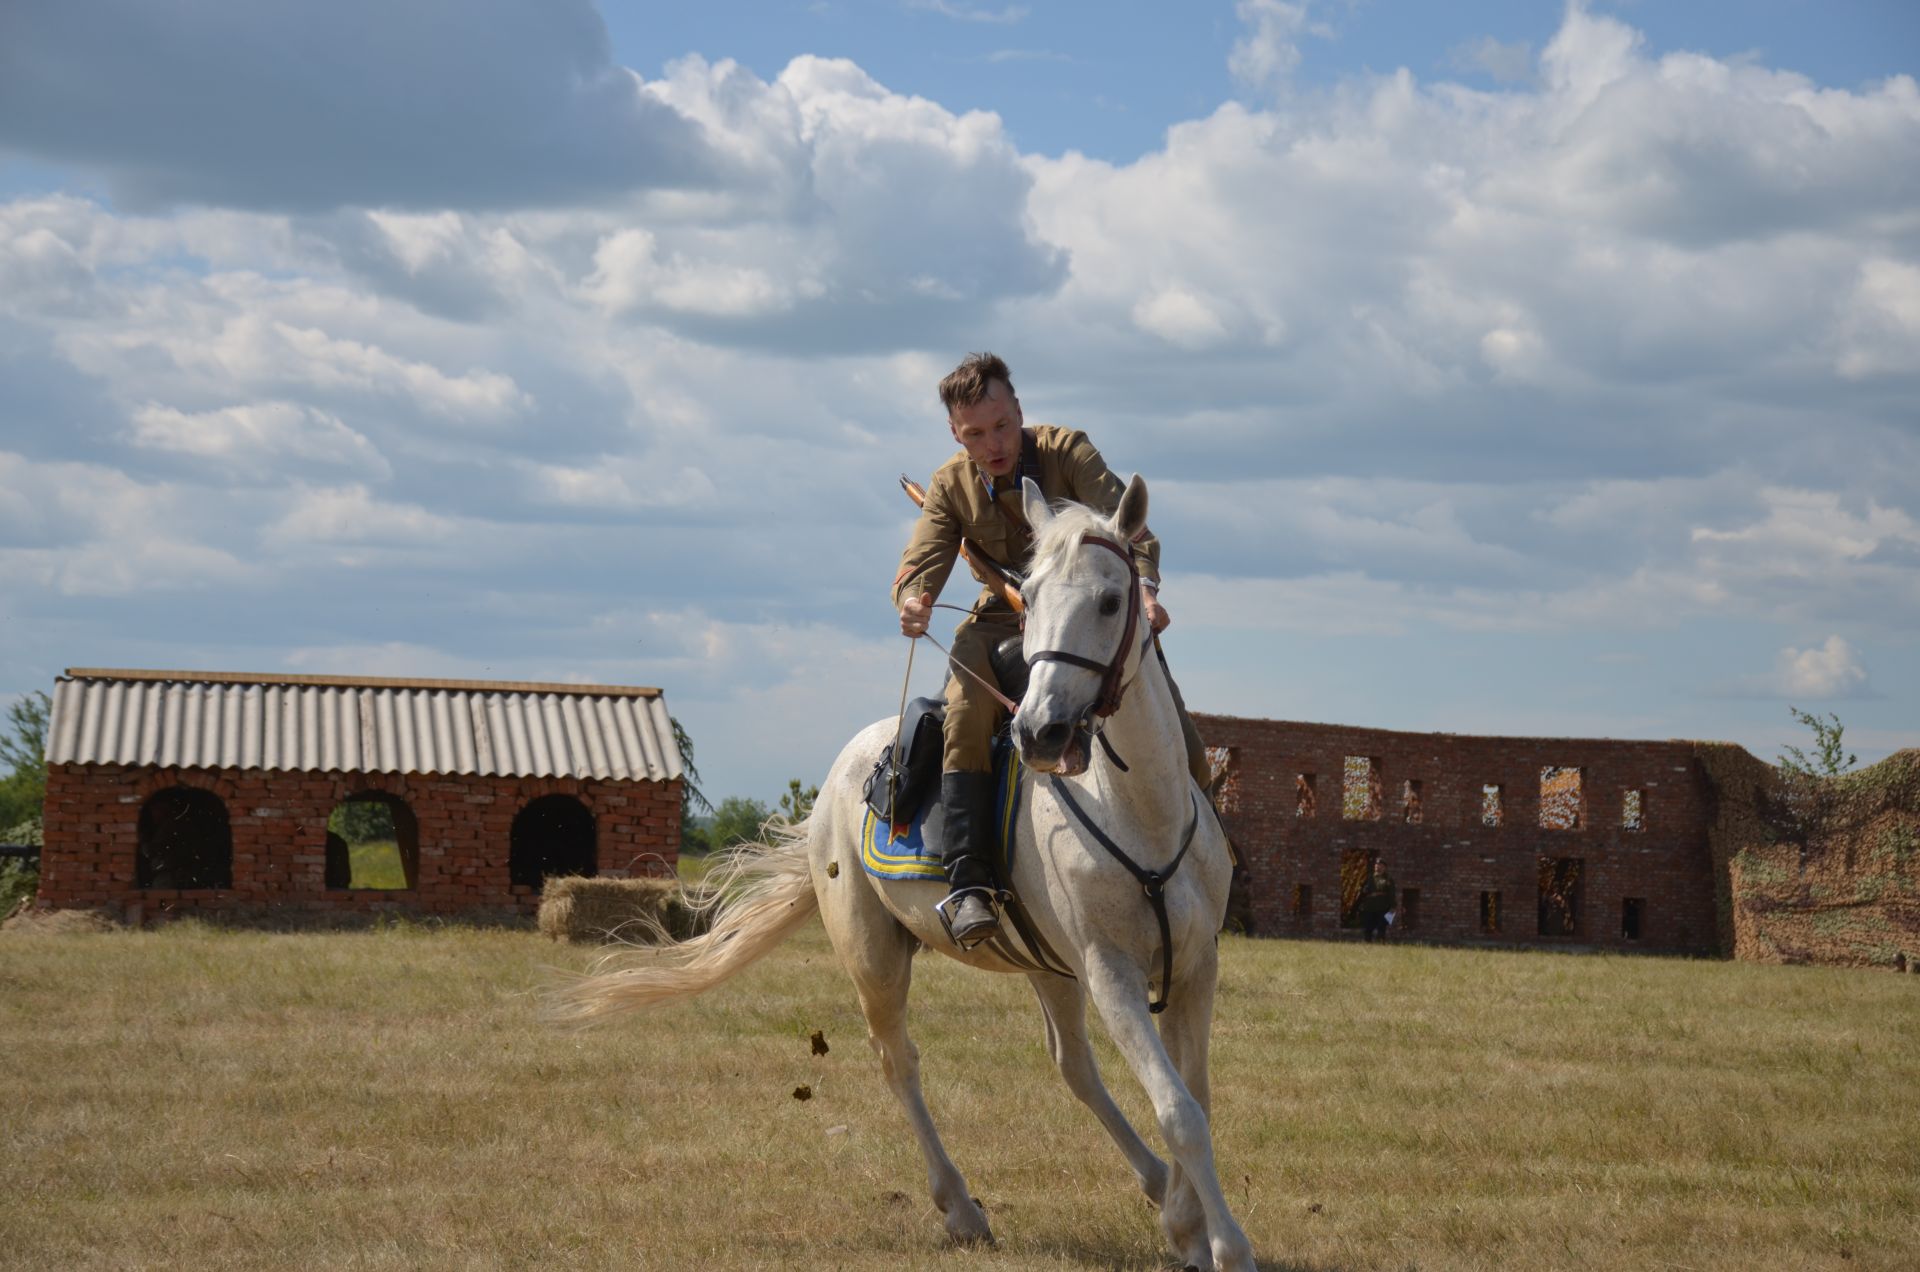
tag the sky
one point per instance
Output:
(1494, 367)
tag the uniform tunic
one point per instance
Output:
(962, 502)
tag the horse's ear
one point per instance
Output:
(1131, 519)
(1034, 505)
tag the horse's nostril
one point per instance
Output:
(1053, 736)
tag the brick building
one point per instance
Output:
(1510, 841)
(182, 792)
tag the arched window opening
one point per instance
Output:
(373, 841)
(185, 840)
(552, 835)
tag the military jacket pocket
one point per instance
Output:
(992, 535)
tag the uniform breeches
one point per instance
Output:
(973, 715)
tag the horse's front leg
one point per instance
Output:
(1186, 1029)
(1065, 1005)
(1119, 991)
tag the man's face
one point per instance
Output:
(990, 430)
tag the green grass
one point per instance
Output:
(376, 864)
(198, 1098)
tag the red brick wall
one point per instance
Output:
(1449, 855)
(279, 826)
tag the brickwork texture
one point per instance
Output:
(278, 823)
(1623, 859)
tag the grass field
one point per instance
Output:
(387, 1099)
(376, 864)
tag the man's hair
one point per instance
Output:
(968, 383)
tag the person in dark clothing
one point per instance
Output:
(1376, 902)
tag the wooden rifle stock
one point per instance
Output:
(975, 555)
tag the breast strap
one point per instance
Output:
(1152, 882)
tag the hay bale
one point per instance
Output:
(599, 910)
(31, 921)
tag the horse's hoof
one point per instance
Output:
(968, 1225)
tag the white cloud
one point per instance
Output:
(1831, 670)
(1265, 56)
(351, 515)
(1007, 15)
(86, 530)
(259, 435)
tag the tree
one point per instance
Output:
(23, 794)
(693, 837)
(797, 803)
(737, 820)
(1830, 758)
(23, 749)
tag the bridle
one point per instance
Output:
(1113, 686)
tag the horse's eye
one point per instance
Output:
(1109, 605)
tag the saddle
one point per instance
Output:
(899, 785)
(904, 826)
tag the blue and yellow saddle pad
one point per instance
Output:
(902, 852)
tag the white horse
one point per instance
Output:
(1081, 600)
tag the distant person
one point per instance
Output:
(1375, 906)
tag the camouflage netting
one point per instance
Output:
(595, 910)
(1817, 870)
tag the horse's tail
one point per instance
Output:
(752, 898)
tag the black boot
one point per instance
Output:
(966, 805)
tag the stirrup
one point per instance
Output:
(979, 933)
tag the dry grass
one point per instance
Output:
(193, 1098)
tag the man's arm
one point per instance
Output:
(929, 555)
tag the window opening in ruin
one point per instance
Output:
(1493, 799)
(1563, 799)
(1633, 811)
(1410, 808)
(1632, 911)
(1303, 901)
(1490, 912)
(1360, 794)
(1225, 778)
(1409, 916)
(1304, 803)
(1560, 895)
(373, 841)
(553, 835)
(1355, 865)
(185, 840)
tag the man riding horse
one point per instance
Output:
(976, 496)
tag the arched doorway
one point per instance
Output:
(185, 840)
(552, 835)
(373, 841)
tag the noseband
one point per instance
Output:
(1111, 685)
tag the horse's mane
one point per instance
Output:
(1062, 536)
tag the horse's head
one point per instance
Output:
(1084, 632)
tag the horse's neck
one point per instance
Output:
(1146, 734)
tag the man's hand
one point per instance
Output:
(1157, 616)
(914, 613)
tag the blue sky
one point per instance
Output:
(1496, 368)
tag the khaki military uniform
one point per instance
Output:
(963, 503)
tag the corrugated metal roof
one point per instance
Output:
(333, 723)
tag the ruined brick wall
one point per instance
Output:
(1823, 872)
(1450, 856)
(278, 822)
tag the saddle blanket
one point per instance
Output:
(902, 851)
